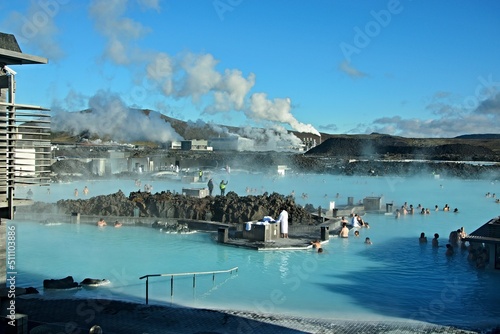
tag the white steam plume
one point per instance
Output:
(275, 139)
(257, 139)
(277, 110)
(110, 117)
(197, 77)
(187, 75)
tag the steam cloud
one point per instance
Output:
(197, 77)
(110, 117)
(188, 75)
(255, 139)
(276, 139)
(182, 76)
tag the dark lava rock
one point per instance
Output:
(230, 209)
(63, 283)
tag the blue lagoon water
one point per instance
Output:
(396, 277)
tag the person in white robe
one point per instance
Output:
(283, 220)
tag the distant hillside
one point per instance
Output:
(480, 136)
(393, 147)
(471, 146)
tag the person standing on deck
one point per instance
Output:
(200, 175)
(283, 220)
(222, 186)
(210, 186)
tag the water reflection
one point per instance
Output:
(430, 287)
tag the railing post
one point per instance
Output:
(147, 289)
(194, 281)
(171, 285)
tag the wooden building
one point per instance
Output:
(489, 236)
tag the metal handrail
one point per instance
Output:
(184, 274)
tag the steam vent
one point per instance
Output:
(24, 140)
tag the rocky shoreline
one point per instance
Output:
(229, 209)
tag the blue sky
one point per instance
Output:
(409, 68)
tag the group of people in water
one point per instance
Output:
(355, 222)
(490, 195)
(85, 191)
(344, 233)
(102, 223)
(410, 210)
(478, 253)
(148, 188)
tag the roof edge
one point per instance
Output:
(8, 57)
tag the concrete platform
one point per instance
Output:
(299, 238)
(291, 243)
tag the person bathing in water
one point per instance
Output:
(316, 244)
(344, 232)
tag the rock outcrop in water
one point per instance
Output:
(62, 283)
(229, 209)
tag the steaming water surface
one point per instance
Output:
(394, 277)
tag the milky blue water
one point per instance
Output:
(396, 277)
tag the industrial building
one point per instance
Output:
(25, 150)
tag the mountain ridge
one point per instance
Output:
(355, 145)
